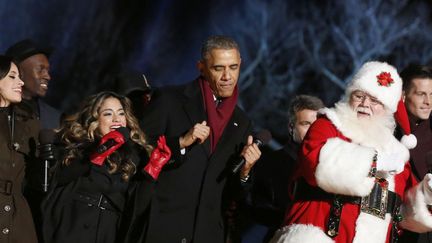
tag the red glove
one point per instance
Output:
(97, 158)
(158, 158)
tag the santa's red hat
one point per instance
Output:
(401, 116)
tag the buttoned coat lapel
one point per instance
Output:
(235, 128)
(194, 109)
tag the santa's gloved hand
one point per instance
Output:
(390, 163)
(118, 137)
(427, 188)
(158, 158)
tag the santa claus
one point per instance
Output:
(354, 182)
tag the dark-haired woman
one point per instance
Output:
(90, 186)
(18, 133)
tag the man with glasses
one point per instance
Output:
(353, 172)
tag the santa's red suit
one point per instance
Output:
(336, 158)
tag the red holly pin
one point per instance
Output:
(384, 79)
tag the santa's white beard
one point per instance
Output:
(371, 131)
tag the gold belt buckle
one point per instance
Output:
(369, 204)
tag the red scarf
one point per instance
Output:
(217, 117)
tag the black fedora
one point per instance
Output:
(26, 48)
(129, 81)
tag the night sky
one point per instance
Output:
(284, 44)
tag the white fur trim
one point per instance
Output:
(427, 188)
(410, 141)
(416, 216)
(343, 168)
(377, 135)
(297, 233)
(366, 80)
(371, 229)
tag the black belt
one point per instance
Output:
(6, 187)
(306, 192)
(100, 202)
(371, 204)
(374, 200)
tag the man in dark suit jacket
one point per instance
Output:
(273, 181)
(417, 94)
(32, 61)
(206, 132)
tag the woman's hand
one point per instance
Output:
(158, 158)
(98, 158)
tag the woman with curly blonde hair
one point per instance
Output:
(103, 151)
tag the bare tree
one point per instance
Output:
(320, 44)
(354, 32)
(272, 63)
(288, 47)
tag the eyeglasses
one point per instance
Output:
(361, 97)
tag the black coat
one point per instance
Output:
(49, 116)
(192, 192)
(272, 185)
(270, 194)
(86, 202)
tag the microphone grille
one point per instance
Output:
(264, 136)
(125, 132)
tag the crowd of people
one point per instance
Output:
(157, 165)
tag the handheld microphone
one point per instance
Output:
(124, 131)
(262, 138)
(46, 153)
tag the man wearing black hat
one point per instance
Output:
(135, 86)
(32, 61)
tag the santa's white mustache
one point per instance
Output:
(363, 110)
